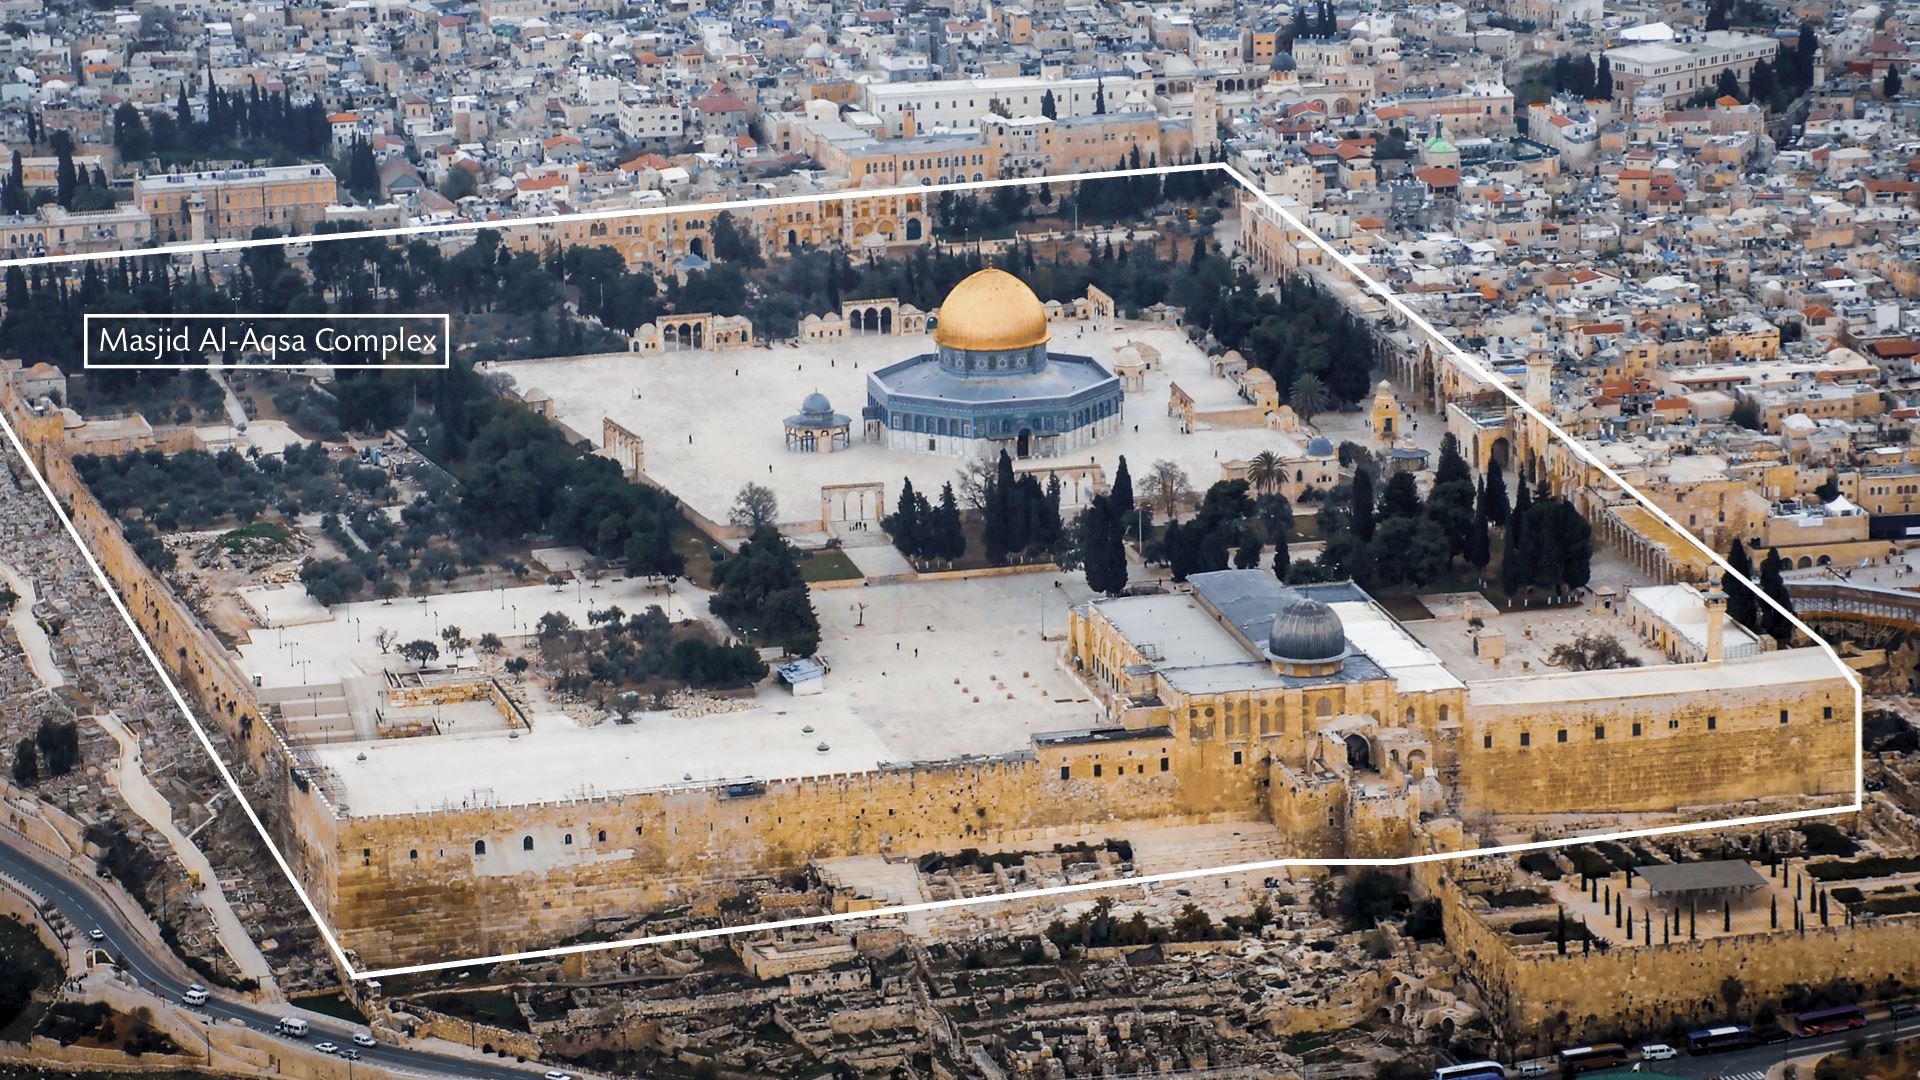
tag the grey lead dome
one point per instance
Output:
(1306, 631)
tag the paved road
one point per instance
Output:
(80, 901)
(1753, 1064)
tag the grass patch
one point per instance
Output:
(827, 564)
(697, 548)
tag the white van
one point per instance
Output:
(195, 995)
(1535, 1068)
(292, 1027)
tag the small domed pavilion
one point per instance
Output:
(816, 428)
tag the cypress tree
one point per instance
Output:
(1741, 602)
(1479, 541)
(1103, 557)
(1775, 586)
(1493, 502)
(949, 541)
(1121, 497)
(904, 523)
(1360, 504)
(998, 502)
(1515, 571)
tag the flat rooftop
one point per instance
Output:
(1196, 653)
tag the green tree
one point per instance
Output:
(945, 538)
(1360, 504)
(1742, 604)
(26, 763)
(733, 244)
(363, 173)
(59, 745)
(1049, 108)
(1410, 550)
(903, 525)
(1309, 396)
(1890, 85)
(998, 533)
(1103, 556)
(1778, 626)
(1493, 498)
(1401, 498)
(130, 133)
(1515, 571)
(458, 183)
(789, 619)
(1760, 84)
(421, 651)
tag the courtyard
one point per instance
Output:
(920, 671)
(704, 453)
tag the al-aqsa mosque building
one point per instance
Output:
(991, 384)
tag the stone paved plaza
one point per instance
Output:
(920, 671)
(711, 421)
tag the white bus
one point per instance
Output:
(1472, 1070)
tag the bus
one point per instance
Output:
(1828, 1021)
(1581, 1059)
(1715, 1040)
(1472, 1070)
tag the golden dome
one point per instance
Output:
(991, 311)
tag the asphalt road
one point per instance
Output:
(80, 900)
(1755, 1062)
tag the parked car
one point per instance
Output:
(1905, 1010)
(1658, 1052)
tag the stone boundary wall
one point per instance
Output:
(201, 667)
(438, 1025)
(1652, 987)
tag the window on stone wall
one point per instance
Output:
(526, 843)
(1636, 729)
(1163, 765)
(1096, 768)
(479, 847)
(1526, 739)
(413, 854)
(1237, 757)
(568, 839)
(366, 856)
(1599, 732)
(602, 837)
(1561, 736)
(1713, 722)
(1486, 742)
(1066, 772)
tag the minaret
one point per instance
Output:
(1539, 380)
